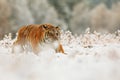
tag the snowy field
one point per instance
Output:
(90, 56)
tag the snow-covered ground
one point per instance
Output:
(90, 56)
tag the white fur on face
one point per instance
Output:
(48, 46)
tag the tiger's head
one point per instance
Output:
(52, 33)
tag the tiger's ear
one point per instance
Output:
(58, 28)
(45, 27)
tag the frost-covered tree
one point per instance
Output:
(43, 12)
(5, 12)
(21, 14)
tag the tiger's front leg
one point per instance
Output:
(35, 46)
(60, 49)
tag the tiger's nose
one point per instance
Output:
(56, 37)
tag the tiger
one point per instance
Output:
(36, 36)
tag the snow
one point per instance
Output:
(90, 56)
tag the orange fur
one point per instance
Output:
(36, 35)
(60, 49)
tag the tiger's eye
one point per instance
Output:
(57, 34)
